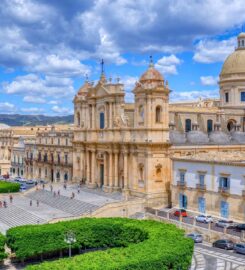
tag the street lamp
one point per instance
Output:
(70, 239)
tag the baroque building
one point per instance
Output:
(120, 146)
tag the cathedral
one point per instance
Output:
(126, 147)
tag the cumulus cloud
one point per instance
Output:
(211, 51)
(61, 110)
(6, 107)
(193, 95)
(32, 110)
(209, 80)
(39, 87)
(168, 64)
(33, 99)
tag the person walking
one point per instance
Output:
(4, 204)
(10, 198)
(58, 192)
(30, 202)
(37, 203)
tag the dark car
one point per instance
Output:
(180, 212)
(239, 248)
(223, 243)
(240, 227)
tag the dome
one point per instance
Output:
(235, 63)
(241, 35)
(84, 88)
(151, 74)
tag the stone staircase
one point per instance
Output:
(63, 203)
(14, 216)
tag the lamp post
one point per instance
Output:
(70, 239)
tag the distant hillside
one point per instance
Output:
(33, 120)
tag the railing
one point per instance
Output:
(190, 220)
(201, 187)
(224, 191)
(181, 184)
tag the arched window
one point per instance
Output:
(102, 120)
(187, 125)
(141, 113)
(78, 119)
(210, 125)
(158, 114)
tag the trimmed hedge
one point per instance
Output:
(3, 255)
(130, 244)
(6, 187)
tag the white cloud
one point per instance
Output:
(62, 110)
(211, 51)
(209, 80)
(168, 64)
(35, 86)
(193, 95)
(6, 107)
(56, 66)
(34, 99)
(32, 110)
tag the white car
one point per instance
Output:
(204, 219)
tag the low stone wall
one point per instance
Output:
(208, 235)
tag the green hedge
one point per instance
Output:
(6, 187)
(131, 244)
(3, 255)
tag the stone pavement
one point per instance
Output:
(20, 212)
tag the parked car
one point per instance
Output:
(239, 248)
(223, 243)
(30, 182)
(22, 187)
(204, 219)
(229, 224)
(240, 227)
(196, 237)
(180, 212)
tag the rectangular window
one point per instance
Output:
(201, 179)
(102, 120)
(242, 96)
(224, 182)
(226, 97)
(182, 176)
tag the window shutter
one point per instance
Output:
(220, 182)
(228, 183)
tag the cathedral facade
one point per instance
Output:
(129, 147)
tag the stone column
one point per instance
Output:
(93, 168)
(110, 170)
(105, 170)
(88, 167)
(116, 170)
(125, 169)
(110, 115)
(93, 116)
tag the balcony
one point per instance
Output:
(225, 191)
(181, 184)
(201, 187)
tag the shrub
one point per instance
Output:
(130, 244)
(6, 187)
(3, 255)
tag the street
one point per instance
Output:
(208, 258)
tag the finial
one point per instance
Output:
(102, 66)
(151, 61)
(166, 83)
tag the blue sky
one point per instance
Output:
(48, 46)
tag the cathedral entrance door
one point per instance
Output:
(102, 174)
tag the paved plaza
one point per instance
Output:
(51, 205)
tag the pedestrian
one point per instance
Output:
(64, 185)
(37, 203)
(43, 186)
(10, 198)
(78, 190)
(58, 192)
(73, 195)
(4, 204)
(30, 202)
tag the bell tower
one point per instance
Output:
(151, 105)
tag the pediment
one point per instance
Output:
(99, 91)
